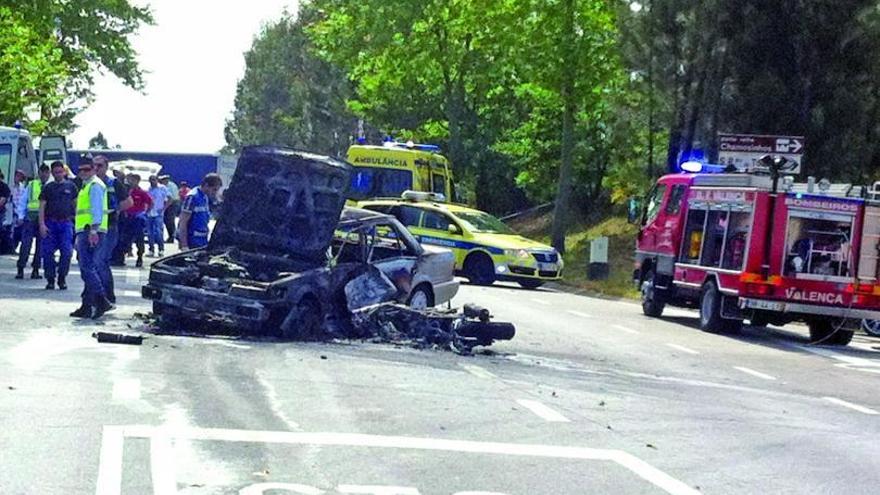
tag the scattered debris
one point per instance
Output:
(602, 403)
(118, 338)
(11, 387)
(323, 356)
(650, 446)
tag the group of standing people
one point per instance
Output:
(102, 217)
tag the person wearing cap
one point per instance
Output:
(117, 200)
(192, 232)
(29, 219)
(57, 211)
(173, 208)
(90, 224)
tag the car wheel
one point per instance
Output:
(871, 327)
(651, 305)
(530, 283)
(824, 332)
(421, 298)
(479, 269)
(304, 321)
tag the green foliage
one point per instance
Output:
(86, 36)
(33, 72)
(288, 96)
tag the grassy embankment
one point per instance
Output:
(621, 241)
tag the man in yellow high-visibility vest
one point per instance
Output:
(90, 225)
(28, 212)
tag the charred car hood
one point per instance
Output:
(282, 202)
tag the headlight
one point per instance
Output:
(517, 253)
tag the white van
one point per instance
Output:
(16, 153)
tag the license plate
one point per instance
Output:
(547, 267)
(761, 304)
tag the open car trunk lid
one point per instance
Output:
(282, 202)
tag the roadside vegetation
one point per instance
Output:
(621, 239)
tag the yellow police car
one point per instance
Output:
(485, 248)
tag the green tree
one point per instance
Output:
(92, 35)
(288, 96)
(33, 73)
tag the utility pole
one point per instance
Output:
(651, 89)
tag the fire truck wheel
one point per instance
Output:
(826, 333)
(651, 305)
(710, 309)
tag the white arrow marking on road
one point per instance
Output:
(543, 411)
(635, 465)
(683, 348)
(855, 407)
(752, 372)
(478, 371)
(578, 313)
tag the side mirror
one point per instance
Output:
(453, 229)
(633, 210)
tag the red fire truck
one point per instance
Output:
(739, 247)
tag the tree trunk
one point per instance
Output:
(569, 67)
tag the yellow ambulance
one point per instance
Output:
(387, 171)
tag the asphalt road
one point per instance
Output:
(590, 397)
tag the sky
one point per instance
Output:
(193, 57)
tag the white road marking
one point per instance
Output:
(378, 490)
(849, 362)
(126, 389)
(162, 464)
(275, 404)
(635, 465)
(542, 411)
(578, 313)
(132, 277)
(680, 313)
(262, 488)
(752, 372)
(131, 293)
(110, 463)
(541, 301)
(625, 329)
(683, 348)
(855, 407)
(478, 371)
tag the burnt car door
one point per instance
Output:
(392, 250)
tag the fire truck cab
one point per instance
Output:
(731, 246)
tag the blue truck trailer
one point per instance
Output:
(190, 167)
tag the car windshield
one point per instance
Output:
(484, 223)
(5, 159)
(371, 182)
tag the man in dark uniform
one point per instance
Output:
(57, 209)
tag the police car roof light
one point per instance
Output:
(422, 196)
(692, 166)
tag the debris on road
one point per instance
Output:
(118, 338)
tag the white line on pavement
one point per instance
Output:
(635, 465)
(543, 411)
(540, 301)
(125, 389)
(625, 329)
(131, 293)
(752, 372)
(683, 348)
(578, 313)
(478, 371)
(855, 407)
(110, 463)
(132, 276)
(162, 467)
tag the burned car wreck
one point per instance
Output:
(288, 259)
